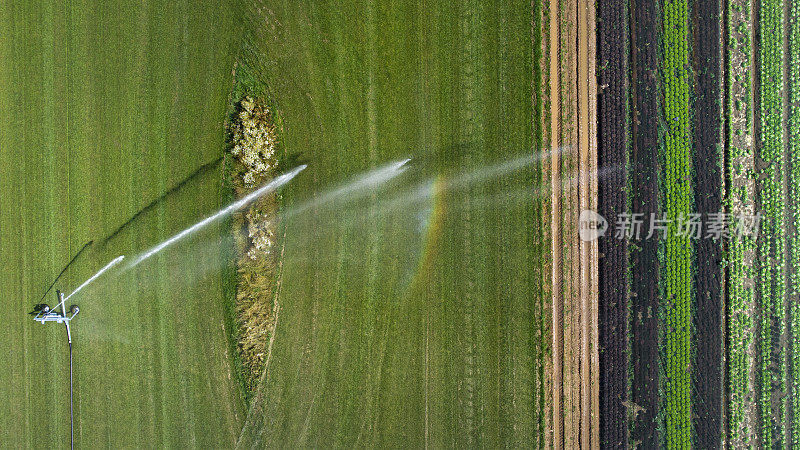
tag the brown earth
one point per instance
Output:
(555, 227)
(708, 311)
(574, 270)
(613, 126)
(587, 132)
(549, 319)
(644, 199)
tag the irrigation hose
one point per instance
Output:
(71, 429)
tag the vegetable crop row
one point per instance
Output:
(794, 201)
(678, 200)
(740, 201)
(771, 270)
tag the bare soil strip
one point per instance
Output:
(570, 277)
(613, 121)
(707, 383)
(644, 257)
(587, 135)
(548, 321)
(555, 226)
(574, 271)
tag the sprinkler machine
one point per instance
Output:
(58, 314)
(43, 313)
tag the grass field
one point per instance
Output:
(424, 325)
(104, 107)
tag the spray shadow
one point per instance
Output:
(202, 170)
(63, 271)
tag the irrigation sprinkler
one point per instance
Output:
(58, 314)
(43, 313)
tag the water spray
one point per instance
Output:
(108, 266)
(360, 185)
(423, 191)
(233, 207)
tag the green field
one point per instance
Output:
(104, 106)
(405, 319)
(424, 325)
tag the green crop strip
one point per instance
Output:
(741, 248)
(772, 262)
(678, 199)
(794, 201)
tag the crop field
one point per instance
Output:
(772, 202)
(741, 190)
(712, 319)
(678, 199)
(793, 200)
(414, 328)
(550, 224)
(104, 107)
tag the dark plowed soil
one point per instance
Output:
(644, 198)
(707, 379)
(613, 45)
